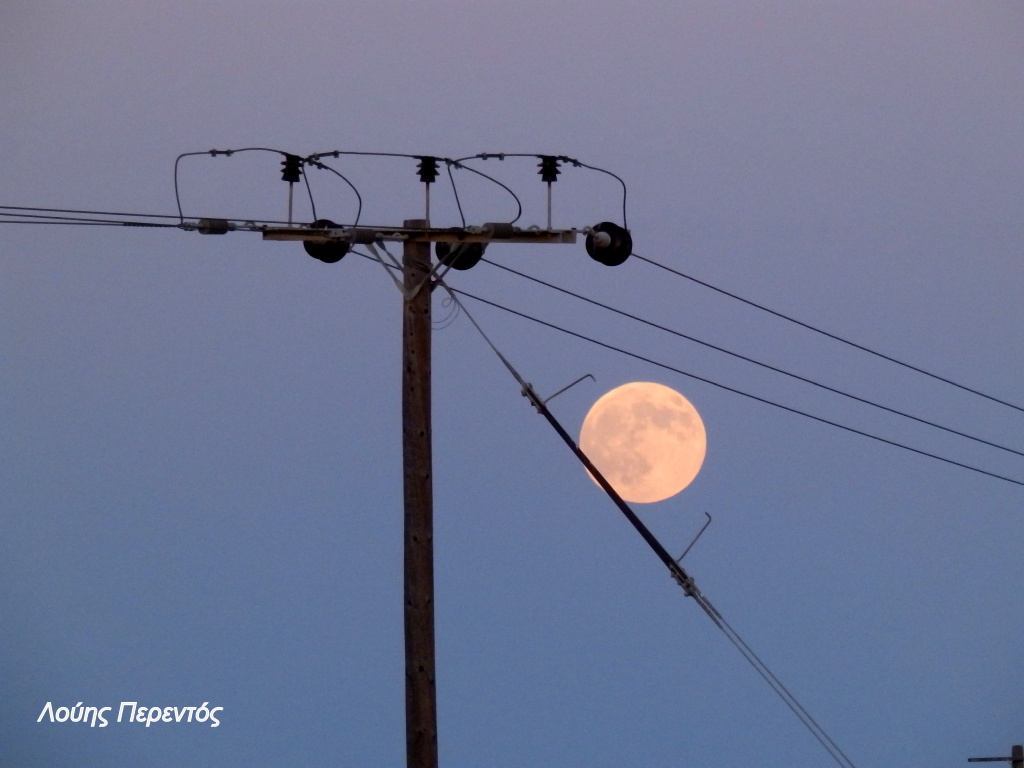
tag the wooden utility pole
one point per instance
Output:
(329, 242)
(1016, 758)
(420, 686)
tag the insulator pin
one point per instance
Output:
(427, 168)
(548, 168)
(291, 168)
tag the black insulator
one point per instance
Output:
(548, 168)
(330, 252)
(500, 229)
(427, 167)
(614, 248)
(213, 227)
(362, 235)
(462, 256)
(291, 168)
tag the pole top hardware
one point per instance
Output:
(291, 168)
(427, 169)
(548, 168)
(1016, 757)
(500, 231)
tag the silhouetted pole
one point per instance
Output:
(1016, 758)
(608, 243)
(420, 687)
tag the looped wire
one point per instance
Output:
(454, 310)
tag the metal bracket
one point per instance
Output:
(699, 534)
(568, 386)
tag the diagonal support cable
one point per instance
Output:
(681, 577)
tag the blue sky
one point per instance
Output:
(200, 484)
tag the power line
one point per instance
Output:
(740, 392)
(773, 681)
(23, 210)
(81, 223)
(726, 387)
(829, 335)
(48, 216)
(28, 218)
(560, 158)
(10, 213)
(753, 361)
(449, 163)
(679, 574)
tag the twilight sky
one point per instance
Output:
(200, 455)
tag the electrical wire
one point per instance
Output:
(827, 334)
(313, 160)
(454, 307)
(359, 198)
(214, 153)
(773, 681)
(50, 216)
(449, 162)
(570, 160)
(685, 580)
(92, 213)
(740, 392)
(563, 158)
(28, 218)
(309, 191)
(455, 192)
(519, 203)
(724, 387)
(753, 361)
(94, 223)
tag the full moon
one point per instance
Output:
(646, 439)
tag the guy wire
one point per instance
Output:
(681, 577)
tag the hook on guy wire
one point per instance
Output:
(699, 534)
(568, 386)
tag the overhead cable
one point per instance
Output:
(678, 573)
(561, 158)
(740, 392)
(753, 361)
(829, 335)
(113, 218)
